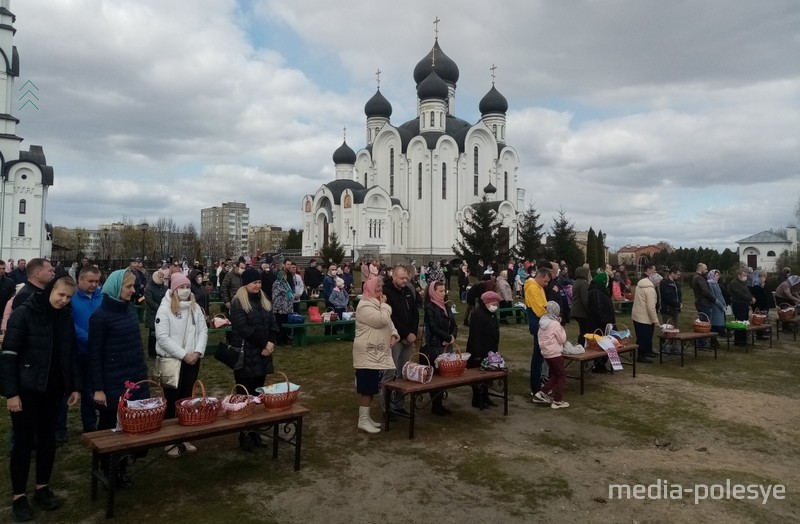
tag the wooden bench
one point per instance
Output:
(518, 313)
(593, 354)
(750, 330)
(685, 338)
(115, 445)
(417, 390)
(623, 306)
(780, 324)
(302, 337)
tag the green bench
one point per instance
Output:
(517, 313)
(623, 306)
(303, 336)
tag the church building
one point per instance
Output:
(406, 193)
(25, 174)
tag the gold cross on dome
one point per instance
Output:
(493, 69)
(436, 26)
(378, 76)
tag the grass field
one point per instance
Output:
(737, 417)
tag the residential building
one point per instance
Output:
(224, 229)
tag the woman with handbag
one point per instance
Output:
(39, 366)
(116, 353)
(181, 337)
(440, 334)
(372, 348)
(282, 298)
(254, 330)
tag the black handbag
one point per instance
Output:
(231, 356)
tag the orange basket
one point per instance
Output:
(592, 344)
(237, 406)
(141, 421)
(274, 402)
(758, 318)
(701, 326)
(786, 312)
(452, 368)
(192, 412)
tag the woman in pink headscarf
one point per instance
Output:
(440, 334)
(372, 348)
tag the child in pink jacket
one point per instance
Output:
(551, 339)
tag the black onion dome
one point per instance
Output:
(493, 102)
(490, 189)
(378, 106)
(344, 155)
(432, 87)
(447, 69)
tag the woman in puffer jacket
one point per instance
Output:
(552, 338)
(181, 334)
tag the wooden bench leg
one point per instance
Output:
(113, 472)
(583, 375)
(298, 442)
(412, 414)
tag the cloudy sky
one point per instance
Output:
(650, 120)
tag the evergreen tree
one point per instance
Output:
(294, 240)
(601, 250)
(479, 235)
(333, 251)
(529, 244)
(591, 249)
(564, 244)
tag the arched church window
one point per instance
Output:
(502, 132)
(505, 185)
(365, 179)
(475, 171)
(419, 181)
(770, 253)
(441, 119)
(23, 207)
(444, 180)
(391, 171)
(494, 130)
(433, 119)
(21, 229)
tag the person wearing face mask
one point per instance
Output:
(38, 367)
(484, 336)
(232, 283)
(181, 333)
(741, 300)
(198, 290)
(116, 354)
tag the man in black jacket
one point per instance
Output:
(312, 278)
(405, 316)
(40, 273)
(7, 286)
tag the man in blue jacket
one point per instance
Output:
(86, 300)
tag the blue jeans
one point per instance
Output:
(537, 360)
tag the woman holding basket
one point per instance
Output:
(440, 334)
(254, 329)
(181, 337)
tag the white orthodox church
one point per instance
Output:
(25, 174)
(406, 193)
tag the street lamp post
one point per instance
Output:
(143, 227)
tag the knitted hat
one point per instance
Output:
(490, 297)
(178, 279)
(339, 282)
(250, 275)
(158, 277)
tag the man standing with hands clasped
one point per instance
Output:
(644, 315)
(405, 316)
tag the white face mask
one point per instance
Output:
(492, 308)
(183, 293)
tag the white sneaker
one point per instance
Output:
(190, 448)
(558, 405)
(173, 451)
(541, 398)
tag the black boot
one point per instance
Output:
(476, 398)
(487, 400)
(436, 405)
(245, 442)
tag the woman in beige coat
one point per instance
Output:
(644, 315)
(372, 348)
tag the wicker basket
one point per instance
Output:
(786, 312)
(141, 421)
(701, 326)
(274, 402)
(670, 332)
(237, 406)
(757, 318)
(622, 328)
(193, 413)
(452, 368)
(593, 344)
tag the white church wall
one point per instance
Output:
(388, 140)
(479, 136)
(24, 235)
